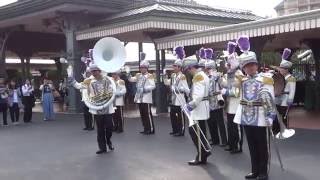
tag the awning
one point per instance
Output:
(280, 25)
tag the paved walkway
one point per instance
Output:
(60, 150)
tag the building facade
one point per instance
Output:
(294, 6)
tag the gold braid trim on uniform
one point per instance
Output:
(121, 82)
(137, 75)
(197, 78)
(291, 79)
(87, 82)
(183, 77)
(268, 80)
(150, 76)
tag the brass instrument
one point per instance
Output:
(192, 122)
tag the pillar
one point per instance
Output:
(160, 100)
(3, 46)
(140, 49)
(73, 54)
(27, 65)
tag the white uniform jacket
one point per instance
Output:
(215, 95)
(91, 87)
(231, 82)
(199, 97)
(289, 91)
(145, 85)
(120, 92)
(178, 82)
(251, 110)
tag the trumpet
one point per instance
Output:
(205, 145)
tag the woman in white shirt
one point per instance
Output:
(28, 100)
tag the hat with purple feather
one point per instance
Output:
(210, 63)
(285, 63)
(247, 56)
(179, 52)
(202, 56)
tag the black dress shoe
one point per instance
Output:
(251, 176)
(235, 151)
(111, 147)
(223, 145)
(90, 129)
(196, 163)
(172, 133)
(178, 134)
(85, 129)
(142, 132)
(228, 148)
(262, 177)
(101, 151)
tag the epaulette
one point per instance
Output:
(197, 78)
(183, 77)
(121, 82)
(291, 79)
(137, 75)
(150, 76)
(267, 80)
(87, 81)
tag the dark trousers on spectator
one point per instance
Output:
(235, 133)
(118, 119)
(4, 109)
(87, 117)
(28, 104)
(104, 130)
(14, 112)
(276, 126)
(146, 117)
(177, 119)
(217, 127)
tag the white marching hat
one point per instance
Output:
(178, 62)
(94, 67)
(285, 63)
(144, 64)
(247, 56)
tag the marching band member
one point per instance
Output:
(119, 102)
(177, 82)
(198, 111)
(253, 112)
(143, 97)
(216, 121)
(87, 116)
(285, 100)
(94, 87)
(232, 93)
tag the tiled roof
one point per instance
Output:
(191, 10)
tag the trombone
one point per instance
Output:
(192, 122)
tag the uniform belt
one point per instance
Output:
(250, 103)
(215, 94)
(285, 93)
(205, 98)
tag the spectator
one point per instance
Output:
(3, 100)
(27, 100)
(63, 94)
(47, 99)
(14, 101)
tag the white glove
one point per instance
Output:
(70, 71)
(223, 91)
(181, 89)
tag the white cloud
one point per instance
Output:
(5, 2)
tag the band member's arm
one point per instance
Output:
(268, 99)
(150, 85)
(198, 92)
(234, 90)
(292, 89)
(167, 81)
(122, 89)
(184, 85)
(41, 87)
(81, 85)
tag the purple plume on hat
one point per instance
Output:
(202, 53)
(179, 51)
(231, 47)
(209, 53)
(243, 43)
(286, 53)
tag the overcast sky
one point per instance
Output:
(260, 7)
